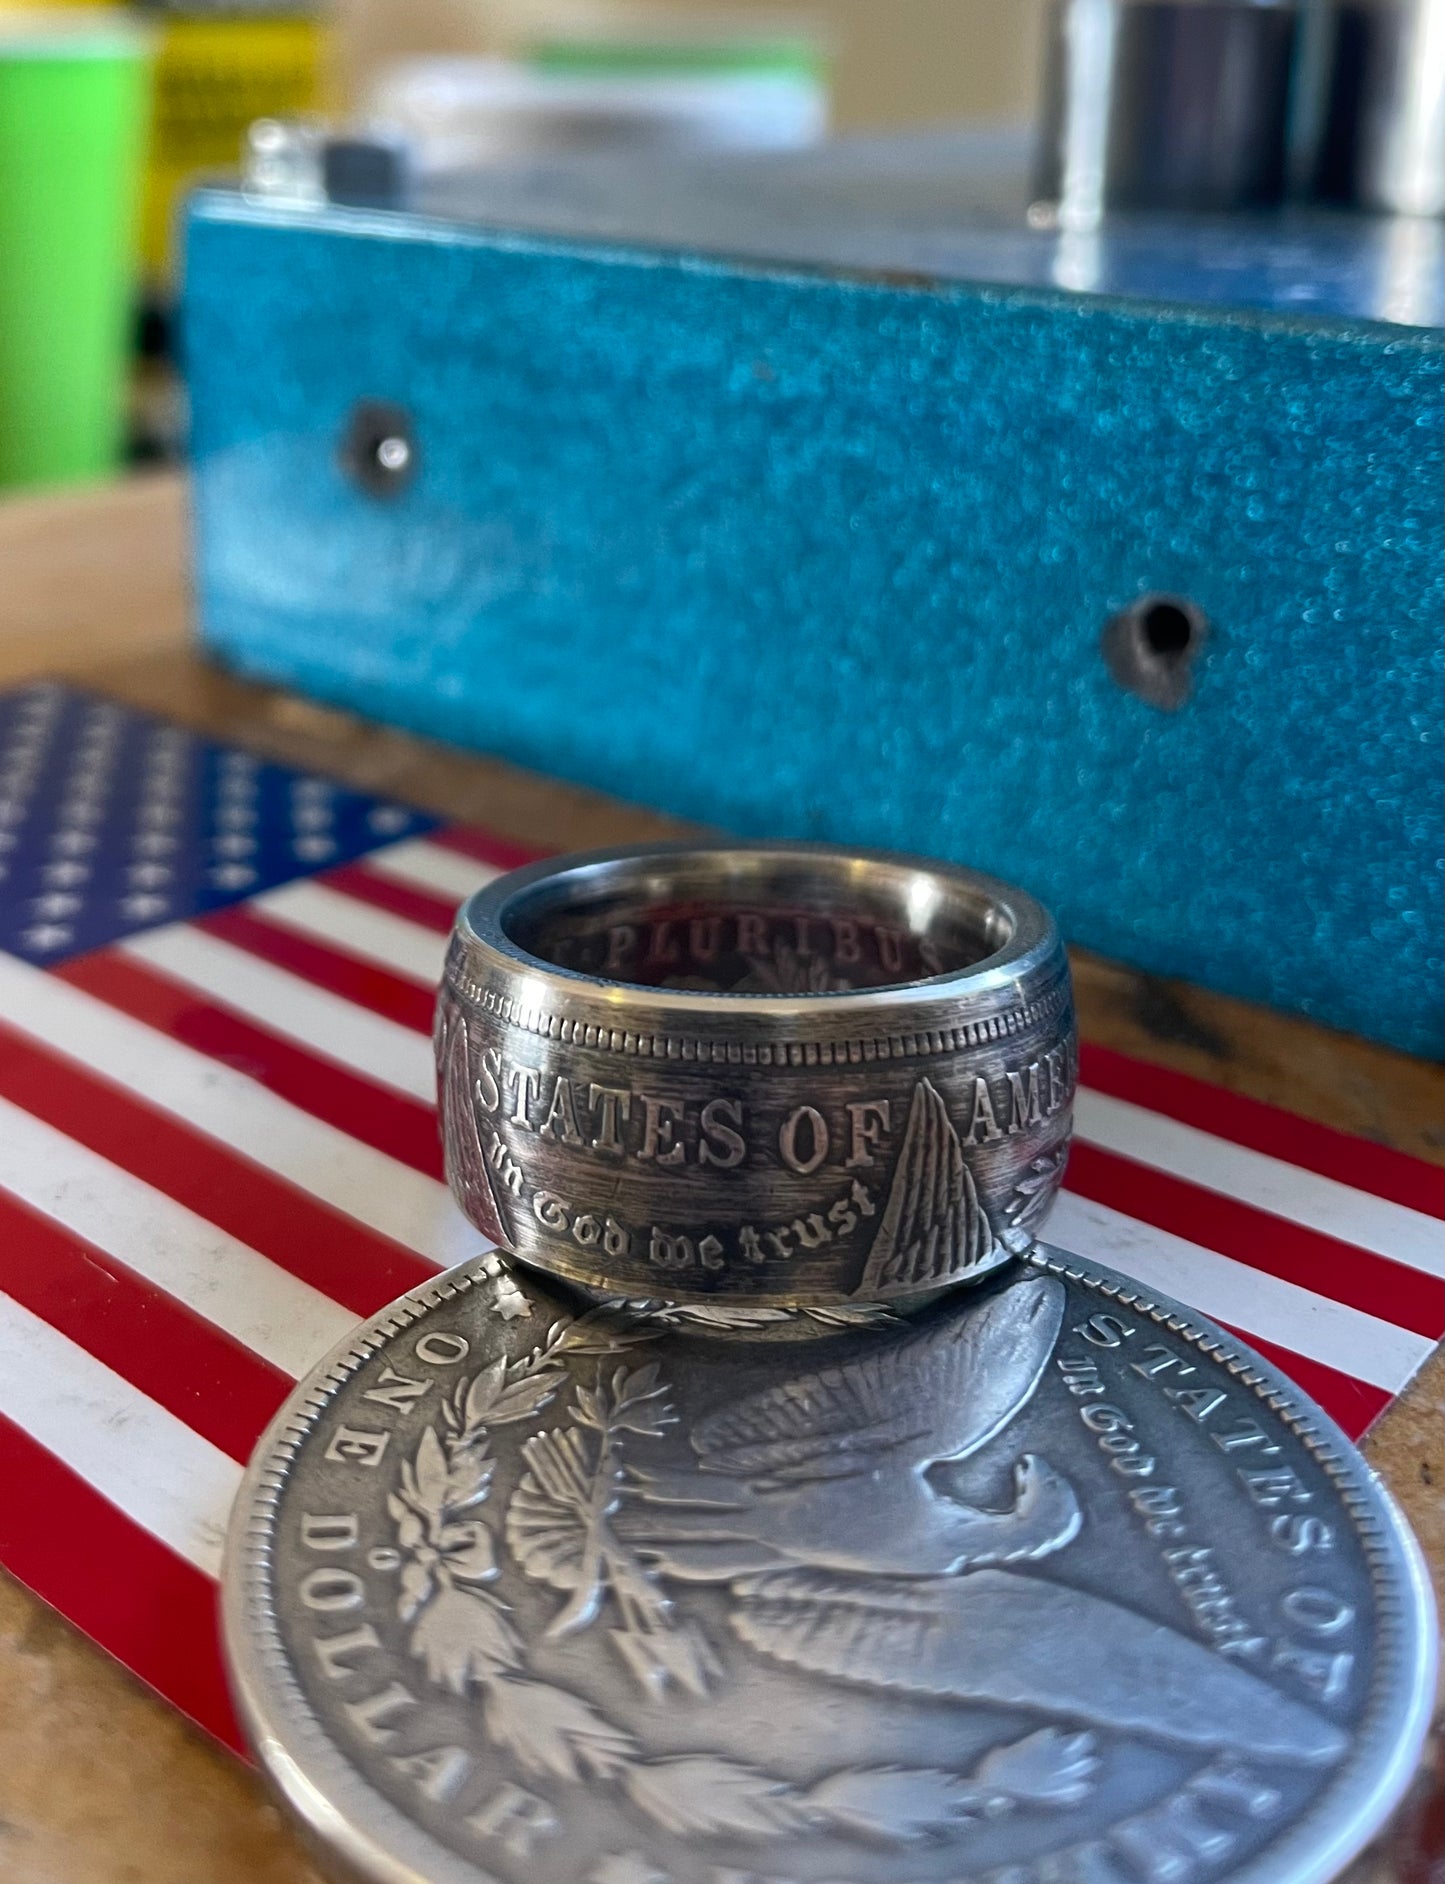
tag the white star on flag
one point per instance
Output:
(47, 936)
(143, 908)
(232, 876)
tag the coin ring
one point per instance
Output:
(788, 1073)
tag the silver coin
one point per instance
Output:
(1046, 1583)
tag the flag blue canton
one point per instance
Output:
(112, 822)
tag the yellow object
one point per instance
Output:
(213, 77)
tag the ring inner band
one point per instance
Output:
(757, 924)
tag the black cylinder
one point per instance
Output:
(1166, 104)
(1373, 111)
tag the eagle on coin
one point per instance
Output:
(824, 1503)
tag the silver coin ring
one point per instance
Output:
(782, 1072)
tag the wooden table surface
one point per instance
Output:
(100, 1782)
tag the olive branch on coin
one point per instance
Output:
(557, 1529)
(458, 1628)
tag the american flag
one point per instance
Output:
(218, 1150)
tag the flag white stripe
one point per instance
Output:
(424, 866)
(324, 1023)
(282, 1319)
(1303, 1197)
(345, 922)
(348, 1176)
(1345, 1338)
(145, 1461)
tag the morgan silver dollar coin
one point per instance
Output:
(1048, 1582)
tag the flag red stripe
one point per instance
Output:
(354, 1265)
(1392, 1175)
(347, 975)
(469, 840)
(122, 1587)
(183, 1362)
(1350, 1403)
(378, 1116)
(1357, 1277)
(397, 899)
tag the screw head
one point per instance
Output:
(378, 449)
